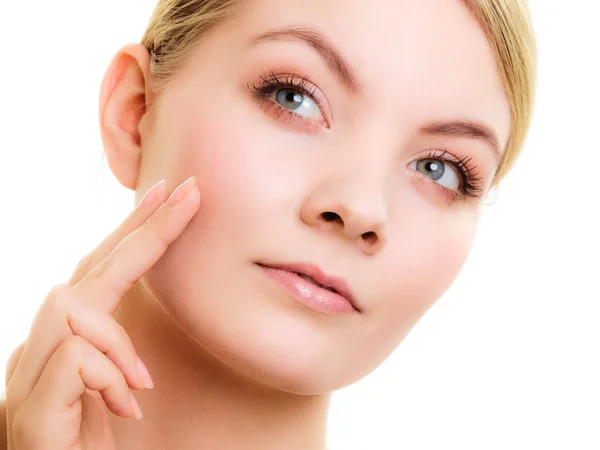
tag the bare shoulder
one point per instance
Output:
(3, 439)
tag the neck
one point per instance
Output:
(198, 402)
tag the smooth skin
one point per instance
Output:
(236, 362)
(77, 357)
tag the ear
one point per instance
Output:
(123, 102)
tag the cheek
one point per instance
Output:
(236, 169)
(428, 262)
(417, 268)
(227, 152)
(251, 177)
(211, 145)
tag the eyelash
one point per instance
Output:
(471, 182)
(271, 82)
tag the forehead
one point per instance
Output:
(423, 57)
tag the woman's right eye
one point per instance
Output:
(297, 101)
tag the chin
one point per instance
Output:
(268, 339)
(283, 350)
(280, 348)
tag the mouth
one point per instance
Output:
(308, 284)
(306, 277)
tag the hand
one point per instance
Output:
(77, 358)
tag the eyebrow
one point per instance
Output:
(466, 129)
(318, 42)
(337, 64)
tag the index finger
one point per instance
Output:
(104, 286)
(148, 205)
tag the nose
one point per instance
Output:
(351, 206)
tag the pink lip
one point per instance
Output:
(308, 293)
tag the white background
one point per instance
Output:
(508, 359)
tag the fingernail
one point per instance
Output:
(144, 373)
(153, 193)
(136, 408)
(181, 191)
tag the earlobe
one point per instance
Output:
(123, 98)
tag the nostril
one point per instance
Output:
(370, 237)
(331, 217)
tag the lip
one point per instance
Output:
(304, 291)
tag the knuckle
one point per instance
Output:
(162, 241)
(152, 221)
(82, 266)
(98, 270)
(59, 298)
(152, 228)
(16, 353)
(152, 232)
(73, 348)
(156, 236)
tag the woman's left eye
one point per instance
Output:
(439, 171)
(298, 102)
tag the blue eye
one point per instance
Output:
(439, 171)
(298, 102)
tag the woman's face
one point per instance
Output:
(351, 135)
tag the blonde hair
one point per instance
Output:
(176, 26)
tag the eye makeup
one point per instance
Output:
(272, 83)
(298, 90)
(471, 184)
